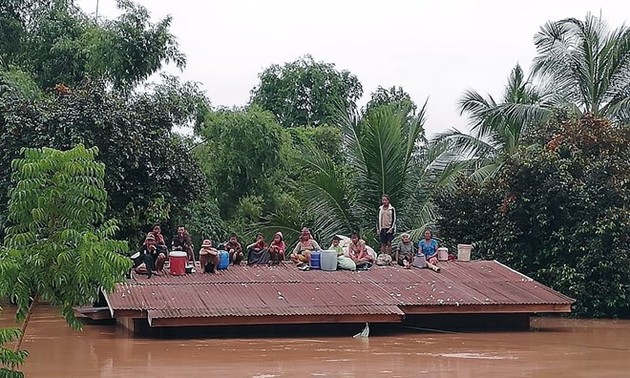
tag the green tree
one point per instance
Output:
(128, 49)
(19, 83)
(305, 92)
(586, 64)
(241, 151)
(58, 246)
(325, 138)
(394, 96)
(467, 212)
(381, 151)
(557, 211)
(150, 171)
(10, 359)
(581, 68)
(57, 42)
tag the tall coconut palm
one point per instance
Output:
(587, 65)
(581, 67)
(383, 156)
(496, 127)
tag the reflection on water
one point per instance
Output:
(553, 348)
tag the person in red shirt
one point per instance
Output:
(276, 249)
(257, 252)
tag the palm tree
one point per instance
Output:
(587, 65)
(383, 155)
(497, 128)
(580, 68)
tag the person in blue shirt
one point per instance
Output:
(429, 246)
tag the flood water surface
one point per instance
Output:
(553, 348)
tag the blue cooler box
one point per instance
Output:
(316, 258)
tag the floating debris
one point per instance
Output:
(365, 333)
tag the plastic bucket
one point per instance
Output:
(177, 263)
(316, 260)
(442, 254)
(329, 260)
(420, 261)
(224, 260)
(463, 252)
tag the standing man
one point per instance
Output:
(386, 225)
(182, 242)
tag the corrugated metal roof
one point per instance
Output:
(285, 291)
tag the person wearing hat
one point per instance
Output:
(208, 257)
(157, 252)
(276, 249)
(301, 254)
(145, 256)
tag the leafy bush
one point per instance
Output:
(557, 211)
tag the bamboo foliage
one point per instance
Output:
(58, 246)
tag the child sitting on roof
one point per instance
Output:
(276, 249)
(357, 251)
(235, 249)
(405, 251)
(343, 261)
(257, 252)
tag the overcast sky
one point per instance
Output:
(433, 49)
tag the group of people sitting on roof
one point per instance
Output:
(153, 252)
(352, 253)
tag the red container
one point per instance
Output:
(177, 263)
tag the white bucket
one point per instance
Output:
(442, 254)
(177, 254)
(328, 260)
(420, 261)
(463, 252)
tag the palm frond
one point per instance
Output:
(487, 171)
(327, 196)
(464, 146)
(588, 65)
(478, 109)
(415, 132)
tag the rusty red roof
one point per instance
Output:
(286, 291)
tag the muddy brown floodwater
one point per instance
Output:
(553, 348)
